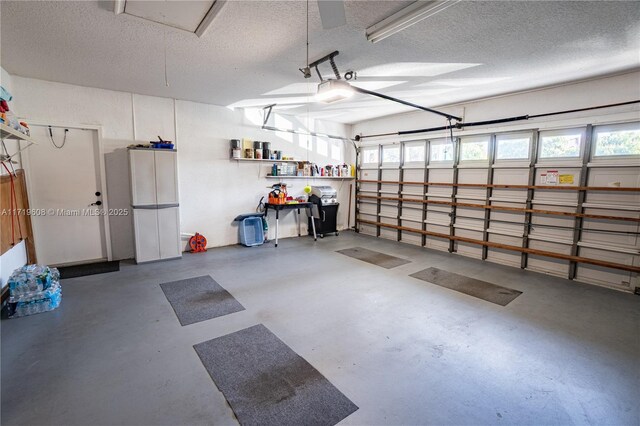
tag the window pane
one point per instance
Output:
(391, 154)
(470, 151)
(441, 152)
(560, 146)
(414, 153)
(626, 142)
(370, 156)
(513, 149)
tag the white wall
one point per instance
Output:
(213, 189)
(585, 94)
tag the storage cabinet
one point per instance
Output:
(154, 202)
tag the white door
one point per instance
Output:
(62, 184)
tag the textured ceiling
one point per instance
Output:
(252, 53)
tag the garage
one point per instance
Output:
(319, 212)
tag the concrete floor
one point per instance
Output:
(404, 351)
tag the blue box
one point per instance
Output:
(251, 232)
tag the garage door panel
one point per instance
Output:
(508, 257)
(547, 264)
(600, 275)
(414, 175)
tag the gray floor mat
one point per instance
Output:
(267, 383)
(199, 299)
(470, 286)
(374, 257)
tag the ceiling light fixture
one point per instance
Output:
(338, 89)
(333, 90)
(406, 17)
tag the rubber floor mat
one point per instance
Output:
(481, 289)
(266, 383)
(199, 299)
(374, 257)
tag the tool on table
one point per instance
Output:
(278, 195)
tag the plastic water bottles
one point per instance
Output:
(34, 289)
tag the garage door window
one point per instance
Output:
(441, 151)
(563, 144)
(370, 157)
(512, 147)
(414, 152)
(391, 155)
(476, 149)
(618, 141)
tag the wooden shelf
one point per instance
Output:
(7, 132)
(310, 177)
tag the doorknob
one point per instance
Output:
(97, 203)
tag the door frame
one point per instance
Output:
(101, 166)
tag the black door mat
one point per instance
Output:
(199, 299)
(470, 286)
(73, 271)
(374, 257)
(266, 383)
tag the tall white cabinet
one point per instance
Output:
(155, 204)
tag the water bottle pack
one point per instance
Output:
(34, 289)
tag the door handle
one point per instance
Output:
(97, 203)
(324, 216)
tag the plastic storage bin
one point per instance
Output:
(251, 233)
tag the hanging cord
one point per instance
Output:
(260, 206)
(64, 139)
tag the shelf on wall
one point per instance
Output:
(7, 132)
(264, 160)
(310, 177)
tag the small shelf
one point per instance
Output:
(7, 132)
(263, 160)
(310, 177)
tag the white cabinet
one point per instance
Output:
(166, 177)
(169, 226)
(154, 201)
(143, 172)
(145, 225)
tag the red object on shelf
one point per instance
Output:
(198, 243)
